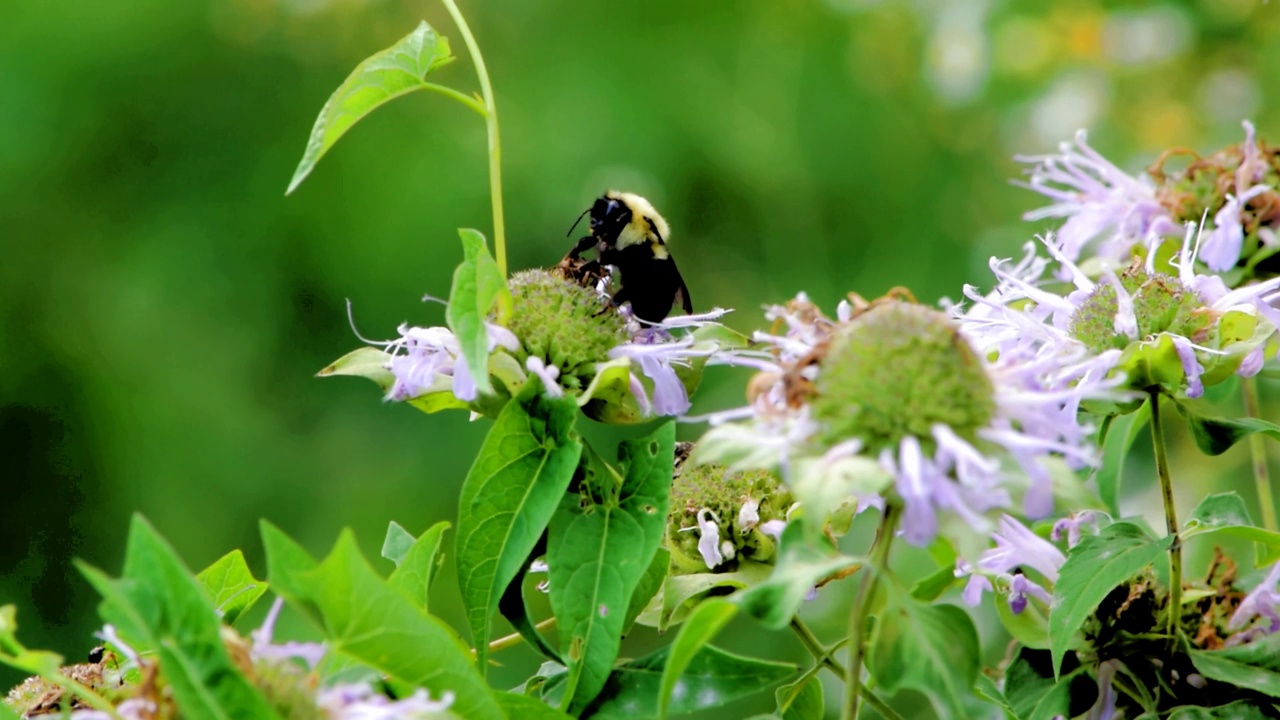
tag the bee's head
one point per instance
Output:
(608, 216)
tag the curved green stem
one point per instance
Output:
(1170, 514)
(861, 604)
(1258, 452)
(460, 97)
(495, 147)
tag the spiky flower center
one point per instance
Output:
(565, 324)
(1161, 303)
(724, 493)
(899, 369)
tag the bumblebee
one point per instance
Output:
(630, 235)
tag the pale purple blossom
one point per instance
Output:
(359, 701)
(1105, 706)
(264, 649)
(421, 358)
(1071, 526)
(658, 354)
(1262, 602)
(1099, 201)
(1222, 248)
(1016, 547)
(546, 373)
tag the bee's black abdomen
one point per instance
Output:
(652, 285)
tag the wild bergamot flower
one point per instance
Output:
(568, 337)
(892, 402)
(720, 518)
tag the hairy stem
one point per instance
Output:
(1258, 452)
(1170, 514)
(495, 147)
(861, 604)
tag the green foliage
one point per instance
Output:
(1216, 435)
(800, 565)
(1094, 567)
(231, 585)
(801, 700)
(929, 648)
(416, 560)
(478, 290)
(384, 76)
(1033, 693)
(1119, 434)
(703, 624)
(367, 620)
(1255, 665)
(509, 496)
(1228, 514)
(601, 542)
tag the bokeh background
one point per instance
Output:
(163, 306)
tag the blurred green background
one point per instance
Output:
(163, 307)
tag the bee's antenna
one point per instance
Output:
(575, 222)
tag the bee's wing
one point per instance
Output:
(682, 290)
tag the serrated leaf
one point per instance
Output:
(1215, 435)
(478, 289)
(416, 564)
(713, 678)
(599, 545)
(1121, 432)
(159, 606)
(703, 624)
(508, 497)
(1228, 514)
(1255, 666)
(365, 619)
(1095, 566)
(382, 77)
(231, 585)
(1033, 694)
(929, 648)
(800, 565)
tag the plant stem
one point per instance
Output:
(495, 147)
(1170, 514)
(514, 639)
(862, 603)
(823, 656)
(467, 100)
(1258, 451)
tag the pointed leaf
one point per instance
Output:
(159, 606)
(1238, 710)
(417, 564)
(365, 619)
(509, 496)
(1121, 432)
(1215, 435)
(801, 700)
(1032, 692)
(1094, 567)
(648, 587)
(478, 288)
(1228, 514)
(383, 77)
(703, 624)
(1255, 666)
(524, 707)
(231, 585)
(930, 648)
(599, 545)
(800, 565)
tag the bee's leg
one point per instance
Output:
(615, 301)
(583, 245)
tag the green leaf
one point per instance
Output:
(713, 678)
(510, 494)
(600, 543)
(800, 565)
(1214, 435)
(365, 619)
(704, 623)
(680, 591)
(801, 700)
(1094, 567)
(930, 648)
(416, 565)
(1228, 514)
(648, 587)
(1255, 666)
(288, 565)
(523, 707)
(372, 363)
(1238, 710)
(159, 606)
(932, 586)
(1032, 692)
(384, 76)
(478, 288)
(1121, 432)
(985, 688)
(231, 585)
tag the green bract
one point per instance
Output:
(897, 370)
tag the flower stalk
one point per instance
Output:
(1170, 513)
(862, 603)
(495, 146)
(1258, 454)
